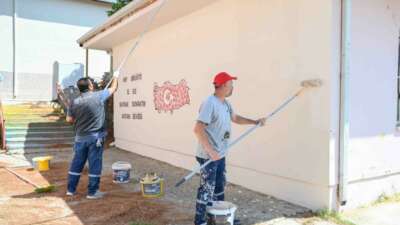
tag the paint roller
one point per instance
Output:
(306, 84)
(116, 73)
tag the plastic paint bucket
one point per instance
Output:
(152, 186)
(121, 172)
(42, 163)
(222, 212)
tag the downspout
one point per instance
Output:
(87, 63)
(344, 100)
(398, 86)
(111, 62)
(14, 49)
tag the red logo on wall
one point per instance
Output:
(170, 97)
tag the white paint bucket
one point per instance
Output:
(222, 212)
(121, 172)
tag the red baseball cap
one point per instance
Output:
(221, 78)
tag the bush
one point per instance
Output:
(117, 6)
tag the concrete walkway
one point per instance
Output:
(382, 214)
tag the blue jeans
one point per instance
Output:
(212, 185)
(92, 151)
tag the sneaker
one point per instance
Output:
(96, 195)
(70, 193)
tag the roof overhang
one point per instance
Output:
(105, 1)
(131, 20)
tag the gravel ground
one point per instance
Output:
(253, 207)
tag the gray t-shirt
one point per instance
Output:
(89, 113)
(217, 115)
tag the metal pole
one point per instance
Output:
(87, 63)
(398, 86)
(111, 62)
(15, 49)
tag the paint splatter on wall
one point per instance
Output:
(170, 97)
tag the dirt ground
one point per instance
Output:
(22, 206)
(123, 204)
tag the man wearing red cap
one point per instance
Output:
(213, 130)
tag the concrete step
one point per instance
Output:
(36, 126)
(30, 124)
(8, 111)
(37, 145)
(36, 151)
(36, 119)
(29, 106)
(29, 113)
(20, 103)
(39, 139)
(39, 133)
(17, 116)
(39, 129)
(21, 130)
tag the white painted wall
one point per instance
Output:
(47, 31)
(6, 53)
(334, 86)
(271, 46)
(6, 36)
(374, 148)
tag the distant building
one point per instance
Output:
(38, 38)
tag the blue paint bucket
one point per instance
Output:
(121, 172)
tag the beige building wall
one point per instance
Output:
(271, 46)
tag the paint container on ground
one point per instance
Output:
(152, 186)
(121, 172)
(42, 163)
(221, 212)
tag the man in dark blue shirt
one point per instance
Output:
(87, 113)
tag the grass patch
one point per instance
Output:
(333, 217)
(47, 189)
(140, 223)
(383, 198)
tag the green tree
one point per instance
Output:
(117, 6)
